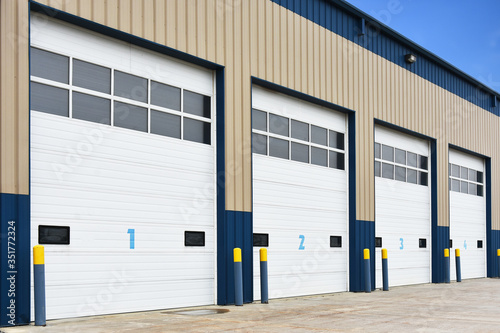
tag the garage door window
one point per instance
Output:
(297, 140)
(401, 165)
(74, 88)
(465, 180)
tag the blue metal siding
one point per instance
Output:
(361, 236)
(379, 41)
(492, 236)
(440, 236)
(15, 207)
(235, 231)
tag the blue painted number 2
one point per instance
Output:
(301, 246)
(132, 238)
(402, 246)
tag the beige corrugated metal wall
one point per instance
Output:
(259, 38)
(14, 97)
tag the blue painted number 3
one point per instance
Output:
(132, 238)
(301, 246)
(402, 246)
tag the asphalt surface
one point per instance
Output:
(469, 306)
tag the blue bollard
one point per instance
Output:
(39, 285)
(368, 279)
(264, 294)
(238, 277)
(385, 271)
(457, 265)
(447, 265)
(498, 256)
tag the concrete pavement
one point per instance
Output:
(469, 306)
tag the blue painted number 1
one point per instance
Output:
(132, 238)
(301, 246)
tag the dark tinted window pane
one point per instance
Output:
(400, 173)
(194, 238)
(422, 243)
(278, 148)
(387, 153)
(422, 178)
(165, 124)
(400, 156)
(422, 162)
(49, 65)
(49, 99)
(91, 108)
(411, 159)
(387, 171)
(259, 144)
(336, 140)
(378, 153)
(479, 177)
(335, 241)
(480, 190)
(197, 131)
(464, 187)
(90, 76)
(464, 173)
(319, 135)
(319, 156)
(165, 96)
(278, 124)
(261, 240)
(455, 170)
(336, 160)
(473, 175)
(300, 152)
(131, 86)
(300, 130)
(472, 189)
(411, 176)
(455, 185)
(53, 235)
(197, 104)
(131, 117)
(259, 120)
(378, 171)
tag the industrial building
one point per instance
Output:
(142, 140)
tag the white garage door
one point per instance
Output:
(467, 214)
(402, 207)
(299, 195)
(122, 153)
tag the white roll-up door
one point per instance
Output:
(402, 207)
(467, 214)
(122, 162)
(299, 195)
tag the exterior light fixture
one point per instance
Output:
(410, 58)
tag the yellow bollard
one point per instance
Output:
(368, 279)
(238, 277)
(264, 293)
(446, 265)
(39, 284)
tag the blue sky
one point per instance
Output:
(465, 33)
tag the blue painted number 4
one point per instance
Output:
(301, 246)
(132, 238)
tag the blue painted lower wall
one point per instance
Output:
(361, 236)
(235, 231)
(492, 259)
(440, 241)
(15, 251)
